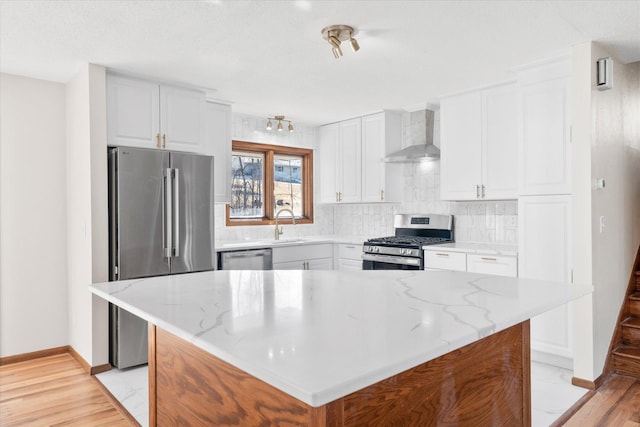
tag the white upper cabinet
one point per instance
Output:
(350, 161)
(544, 129)
(381, 135)
(328, 153)
(352, 167)
(146, 114)
(218, 144)
(479, 144)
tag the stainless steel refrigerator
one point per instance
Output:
(160, 222)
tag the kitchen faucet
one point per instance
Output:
(279, 231)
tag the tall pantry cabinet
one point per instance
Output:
(544, 198)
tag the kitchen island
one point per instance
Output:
(338, 348)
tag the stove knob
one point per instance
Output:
(403, 251)
(378, 249)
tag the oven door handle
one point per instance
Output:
(390, 259)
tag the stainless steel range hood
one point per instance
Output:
(421, 126)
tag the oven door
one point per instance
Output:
(390, 262)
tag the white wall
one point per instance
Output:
(615, 157)
(85, 127)
(33, 230)
(608, 148)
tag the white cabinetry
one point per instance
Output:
(218, 144)
(445, 260)
(479, 144)
(381, 181)
(457, 260)
(491, 264)
(545, 254)
(352, 160)
(544, 133)
(341, 162)
(303, 257)
(349, 257)
(145, 114)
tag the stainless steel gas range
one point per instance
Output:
(403, 251)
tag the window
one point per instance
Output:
(268, 178)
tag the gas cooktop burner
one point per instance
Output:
(408, 240)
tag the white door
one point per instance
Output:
(182, 120)
(218, 144)
(460, 146)
(350, 163)
(500, 143)
(373, 150)
(133, 112)
(544, 253)
(328, 151)
(544, 132)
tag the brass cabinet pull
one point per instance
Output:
(488, 259)
(441, 254)
(164, 140)
(158, 140)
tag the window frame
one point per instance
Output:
(269, 151)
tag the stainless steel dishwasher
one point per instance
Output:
(246, 259)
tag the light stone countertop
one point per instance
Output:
(476, 248)
(320, 335)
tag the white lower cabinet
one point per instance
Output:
(349, 257)
(490, 264)
(545, 254)
(303, 257)
(445, 260)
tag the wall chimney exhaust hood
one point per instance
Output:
(421, 139)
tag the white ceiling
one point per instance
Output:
(268, 57)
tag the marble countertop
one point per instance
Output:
(476, 248)
(233, 245)
(320, 335)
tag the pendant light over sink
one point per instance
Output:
(336, 34)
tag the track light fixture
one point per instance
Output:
(279, 119)
(336, 34)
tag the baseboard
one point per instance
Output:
(7, 360)
(91, 370)
(591, 385)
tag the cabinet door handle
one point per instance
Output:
(477, 191)
(440, 254)
(381, 194)
(488, 259)
(339, 196)
(350, 247)
(158, 140)
(164, 140)
(482, 191)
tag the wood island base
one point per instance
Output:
(482, 384)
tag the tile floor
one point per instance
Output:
(551, 392)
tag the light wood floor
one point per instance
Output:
(615, 403)
(55, 391)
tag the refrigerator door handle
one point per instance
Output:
(176, 212)
(168, 207)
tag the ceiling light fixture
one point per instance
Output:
(336, 34)
(279, 119)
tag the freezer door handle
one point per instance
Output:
(176, 212)
(167, 208)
